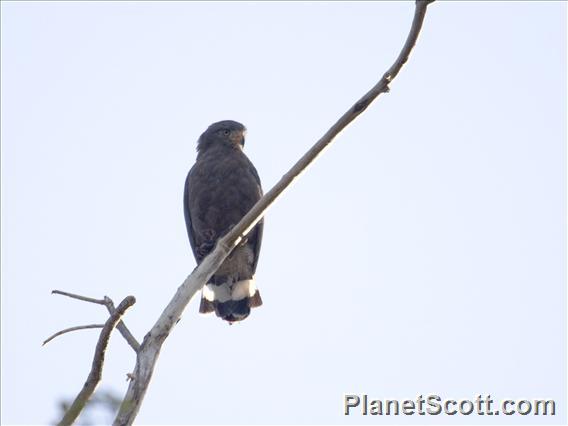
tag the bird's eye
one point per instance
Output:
(226, 132)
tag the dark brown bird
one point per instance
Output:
(220, 189)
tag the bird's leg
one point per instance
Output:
(208, 234)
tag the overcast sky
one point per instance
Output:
(424, 253)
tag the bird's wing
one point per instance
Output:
(257, 243)
(260, 225)
(188, 214)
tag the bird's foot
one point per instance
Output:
(205, 248)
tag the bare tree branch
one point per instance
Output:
(79, 297)
(150, 348)
(107, 301)
(67, 330)
(97, 365)
(122, 327)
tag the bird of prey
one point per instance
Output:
(221, 187)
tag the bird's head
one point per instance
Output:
(223, 133)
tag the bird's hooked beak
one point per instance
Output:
(238, 137)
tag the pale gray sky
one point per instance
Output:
(423, 253)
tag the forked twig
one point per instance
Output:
(97, 365)
(107, 301)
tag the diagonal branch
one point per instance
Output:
(97, 365)
(107, 301)
(151, 346)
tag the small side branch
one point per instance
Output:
(67, 330)
(97, 365)
(79, 297)
(107, 301)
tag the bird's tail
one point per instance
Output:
(230, 302)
